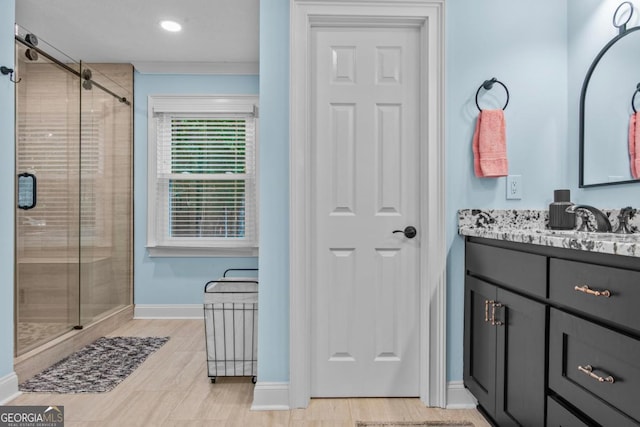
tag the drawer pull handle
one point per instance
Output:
(588, 369)
(587, 290)
(495, 322)
(486, 309)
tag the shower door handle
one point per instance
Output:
(27, 191)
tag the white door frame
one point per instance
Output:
(428, 16)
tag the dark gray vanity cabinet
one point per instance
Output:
(505, 350)
(552, 335)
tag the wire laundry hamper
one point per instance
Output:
(231, 326)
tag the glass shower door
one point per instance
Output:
(105, 192)
(47, 233)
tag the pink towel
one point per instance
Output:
(490, 145)
(634, 145)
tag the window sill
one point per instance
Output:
(211, 252)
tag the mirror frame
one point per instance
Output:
(583, 94)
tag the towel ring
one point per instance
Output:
(633, 100)
(621, 24)
(488, 85)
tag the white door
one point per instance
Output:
(365, 180)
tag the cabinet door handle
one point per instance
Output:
(588, 370)
(486, 309)
(495, 322)
(587, 290)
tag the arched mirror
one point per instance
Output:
(606, 107)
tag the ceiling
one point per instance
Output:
(217, 34)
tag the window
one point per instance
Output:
(202, 176)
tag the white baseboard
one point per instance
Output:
(458, 397)
(270, 397)
(8, 388)
(275, 397)
(168, 311)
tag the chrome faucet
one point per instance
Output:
(603, 225)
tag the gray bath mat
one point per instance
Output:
(97, 368)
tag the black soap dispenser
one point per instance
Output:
(559, 218)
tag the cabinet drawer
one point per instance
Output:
(574, 343)
(559, 416)
(517, 270)
(623, 285)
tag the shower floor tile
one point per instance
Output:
(32, 334)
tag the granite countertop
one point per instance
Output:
(531, 226)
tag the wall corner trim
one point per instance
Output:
(458, 397)
(270, 397)
(168, 311)
(8, 388)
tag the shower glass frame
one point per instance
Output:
(74, 248)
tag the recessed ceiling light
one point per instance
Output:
(172, 26)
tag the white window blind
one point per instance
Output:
(205, 179)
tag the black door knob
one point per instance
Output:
(409, 232)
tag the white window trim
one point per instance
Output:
(194, 104)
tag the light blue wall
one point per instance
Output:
(542, 51)
(7, 173)
(524, 46)
(174, 280)
(273, 327)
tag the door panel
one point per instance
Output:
(340, 315)
(520, 383)
(365, 150)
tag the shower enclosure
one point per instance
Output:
(74, 206)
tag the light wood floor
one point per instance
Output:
(172, 389)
